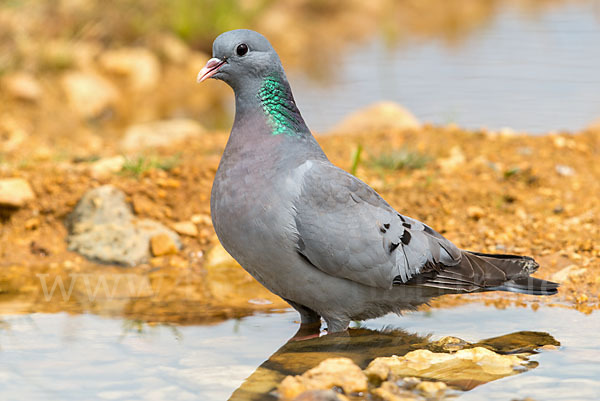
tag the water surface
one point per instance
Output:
(534, 73)
(75, 357)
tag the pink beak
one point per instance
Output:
(210, 69)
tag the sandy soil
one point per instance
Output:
(486, 191)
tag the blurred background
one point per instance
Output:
(75, 74)
(100, 110)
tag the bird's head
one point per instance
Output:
(241, 56)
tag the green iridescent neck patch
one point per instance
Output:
(278, 104)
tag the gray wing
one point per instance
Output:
(347, 230)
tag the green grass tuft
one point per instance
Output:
(139, 165)
(356, 159)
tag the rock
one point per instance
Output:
(140, 66)
(15, 192)
(88, 94)
(12, 133)
(23, 86)
(451, 163)
(431, 388)
(474, 365)
(565, 171)
(172, 48)
(449, 344)
(185, 228)
(32, 223)
(390, 391)
(106, 166)
(561, 142)
(333, 372)
(203, 219)
(568, 273)
(379, 116)
(320, 395)
(475, 212)
(105, 204)
(103, 228)
(217, 256)
(160, 133)
(162, 244)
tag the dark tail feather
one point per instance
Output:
(489, 272)
(529, 285)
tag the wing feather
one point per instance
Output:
(347, 230)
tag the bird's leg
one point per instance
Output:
(310, 322)
(337, 325)
(307, 315)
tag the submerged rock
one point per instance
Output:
(362, 346)
(335, 372)
(390, 391)
(320, 395)
(102, 227)
(472, 366)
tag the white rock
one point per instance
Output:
(15, 192)
(103, 228)
(159, 133)
(106, 166)
(185, 228)
(563, 170)
(22, 86)
(382, 115)
(89, 94)
(139, 65)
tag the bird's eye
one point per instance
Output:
(241, 49)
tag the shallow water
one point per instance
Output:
(74, 357)
(534, 73)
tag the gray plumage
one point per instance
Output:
(310, 232)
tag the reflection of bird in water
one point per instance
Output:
(364, 345)
(315, 235)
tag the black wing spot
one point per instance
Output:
(401, 218)
(406, 237)
(382, 230)
(407, 225)
(428, 230)
(387, 226)
(393, 246)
